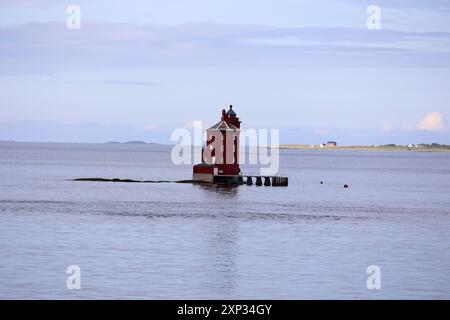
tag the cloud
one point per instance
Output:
(387, 127)
(191, 124)
(33, 3)
(49, 47)
(40, 4)
(406, 4)
(322, 132)
(407, 127)
(434, 122)
(151, 126)
(122, 83)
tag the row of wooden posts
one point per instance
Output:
(276, 181)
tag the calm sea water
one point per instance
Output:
(308, 240)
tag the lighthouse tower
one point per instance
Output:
(220, 156)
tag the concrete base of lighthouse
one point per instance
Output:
(203, 177)
(203, 173)
(208, 173)
(210, 178)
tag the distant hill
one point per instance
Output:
(132, 142)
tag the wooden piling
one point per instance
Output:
(280, 181)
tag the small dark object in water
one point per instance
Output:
(345, 185)
(321, 182)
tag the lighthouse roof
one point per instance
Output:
(231, 112)
(223, 125)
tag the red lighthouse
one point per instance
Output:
(220, 156)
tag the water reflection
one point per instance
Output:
(225, 190)
(220, 255)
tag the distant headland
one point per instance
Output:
(130, 142)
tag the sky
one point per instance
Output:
(137, 70)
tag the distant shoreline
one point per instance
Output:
(88, 142)
(419, 148)
(382, 148)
